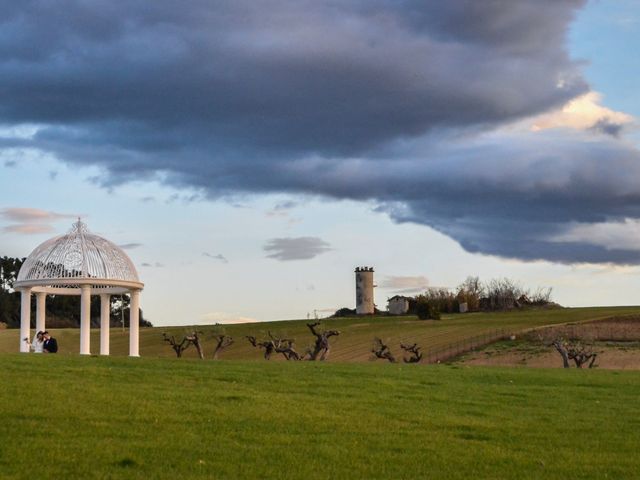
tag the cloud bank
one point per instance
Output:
(405, 103)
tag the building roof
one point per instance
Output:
(72, 258)
(401, 297)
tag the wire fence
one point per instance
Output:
(623, 330)
(454, 349)
(613, 331)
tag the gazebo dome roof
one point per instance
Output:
(73, 258)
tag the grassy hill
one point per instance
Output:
(354, 343)
(99, 418)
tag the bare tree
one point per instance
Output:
(177, 347)
(274, 344)
(222, 342)
(268, 346)
(579, 353)
(503, 293)
(560, 347)
(414, 350)
(542, 296)
(321, 348)
(469, 292)
(472, 285)
(194, 339)
(285, 346)
(381, 350)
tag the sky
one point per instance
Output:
(249, 155)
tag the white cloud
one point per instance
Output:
(28, 228)
(399, 284)
(21, 214)
(610, 235)
(30, 221)
(581, 113)
(20, 131)
(224, 317)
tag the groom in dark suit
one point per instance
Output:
(50, 344)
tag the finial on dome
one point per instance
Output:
(79, 227)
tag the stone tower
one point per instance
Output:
(364, 291)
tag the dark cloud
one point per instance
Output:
(282, 210)
(274, 78)
(286, 205)
(221, 258)
(608, 127)
(515, 200)
(156, 265)
(183, 198)
(300, 248)
(391, 101)
(130, 246)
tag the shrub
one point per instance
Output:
(501, 294)
(425, 309)
(344, 312)
(440, 299)
(494, 295)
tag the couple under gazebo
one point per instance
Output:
(42, 342)
(79, 263)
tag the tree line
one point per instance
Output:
(473, 295)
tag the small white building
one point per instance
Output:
(398, 305)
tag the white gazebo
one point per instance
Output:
(79, 263)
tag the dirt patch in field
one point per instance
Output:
(610, 356)
(616, 340)
(615, 329)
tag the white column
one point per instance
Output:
(85, 320)
(25, 319)
(41, 299)
(105, 314)
(134, 324)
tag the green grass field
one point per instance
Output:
(354, 344)
(95, 417)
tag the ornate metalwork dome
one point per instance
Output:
(73, 258)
